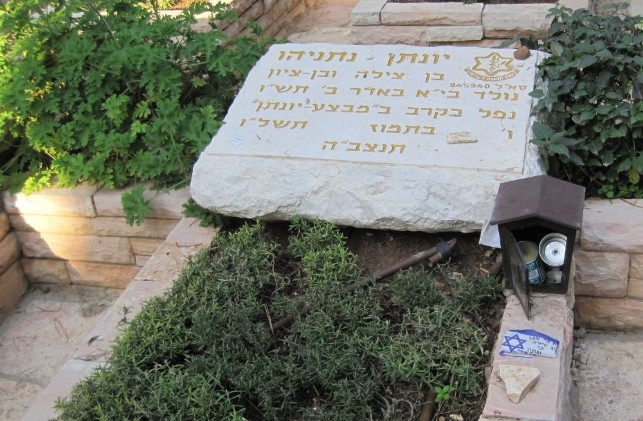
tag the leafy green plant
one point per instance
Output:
(111, 92)
(443, 393)
(591, 111)
(209, 348)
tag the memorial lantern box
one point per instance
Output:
(538, 219)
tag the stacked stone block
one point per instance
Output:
(377, 21)
(13, 282)
(271, 15)
(609, 265)
(79, 235)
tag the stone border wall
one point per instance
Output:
(13, 282)
(609, 265)
(376, 21)
(79, 235)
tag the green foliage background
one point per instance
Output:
(205, 350)
(109, 91)
(591, 112)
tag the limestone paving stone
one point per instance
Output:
(367, 12)
(456, 14)
(52, 224)
(9, 251)
(188, 233)
(164, 205)
(369, 35)
(609, 313)
(60, 386)
(549, 399)
(601, 274)
(516, 20)
(636, 8)
(613, 225)
(453, 33)
(101, 274)
(76, 201)
(76, 247)
(13, 285)
(386, 161)
(46, 271)
(141, 259)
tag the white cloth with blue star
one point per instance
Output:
(527, 343)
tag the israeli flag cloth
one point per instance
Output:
(527, 343)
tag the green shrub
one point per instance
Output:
(591, 112)
(206, 349)
(109, 91)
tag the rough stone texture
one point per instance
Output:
(165, 205)
(5, 227)
(9, 251)
(145, 246)
(636, 266)
(252, 13)
(76, 247)
(60, 386)
(141, 259)
(609, 376)
(609, 313)
(487, 43)
(367, 12)
(51, 224)
(101, 274)
(518, 380)
(636, 8)
(635, 288)
(601, 274)
(370, 35)
(609, 226)
(46, 271)
(549, 399)
(574, 4)
(456, 14)
(453, 33)
(188, 233)
(516, 20)
(330, 35)
(75, 201)
(611, 7)
(241, 6)
(274, 13)
(13, 285)
(118, 227)
(434, 186)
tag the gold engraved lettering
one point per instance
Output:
(280, 124)
(332, 108)
(398, 92)
(412, 111)
(456, 112)
(398, 76)
(263, 122)
(383, 148)
(330, 90)
(371, 147)
(348, 108)
(429, 130)
(485, 113)
(354, 146)
(453, 94)
(282, 88)
(377, 75)
(361, 74)
(302, 88)
(394, 128)
(422, 93)
(383, 92)
(428, 110)
(440, 112)
(384, 109)
(302, 123)
(482, 94)
(408, 128)
(394, 147)
(289, 55)
(318, 107)
(332, 144)
(363, 109)
(357, 90)
(370, 90)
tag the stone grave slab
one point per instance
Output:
(384, 136)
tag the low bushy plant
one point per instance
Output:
(591, 111)
(209, 348)
(112, 92)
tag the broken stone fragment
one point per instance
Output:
(518, 380)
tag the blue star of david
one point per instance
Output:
(511, 346)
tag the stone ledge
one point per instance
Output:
(46, 271)
(549, 399)
(76, 201)
(368, 35)
(101, 274)
(453, 33)
(608, 226)
(367, 12)
(510, 20)
(76, 247)
(13, 285)
(454, 14)
(166, 205)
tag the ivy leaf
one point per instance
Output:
(542, 131)
(556, 48)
